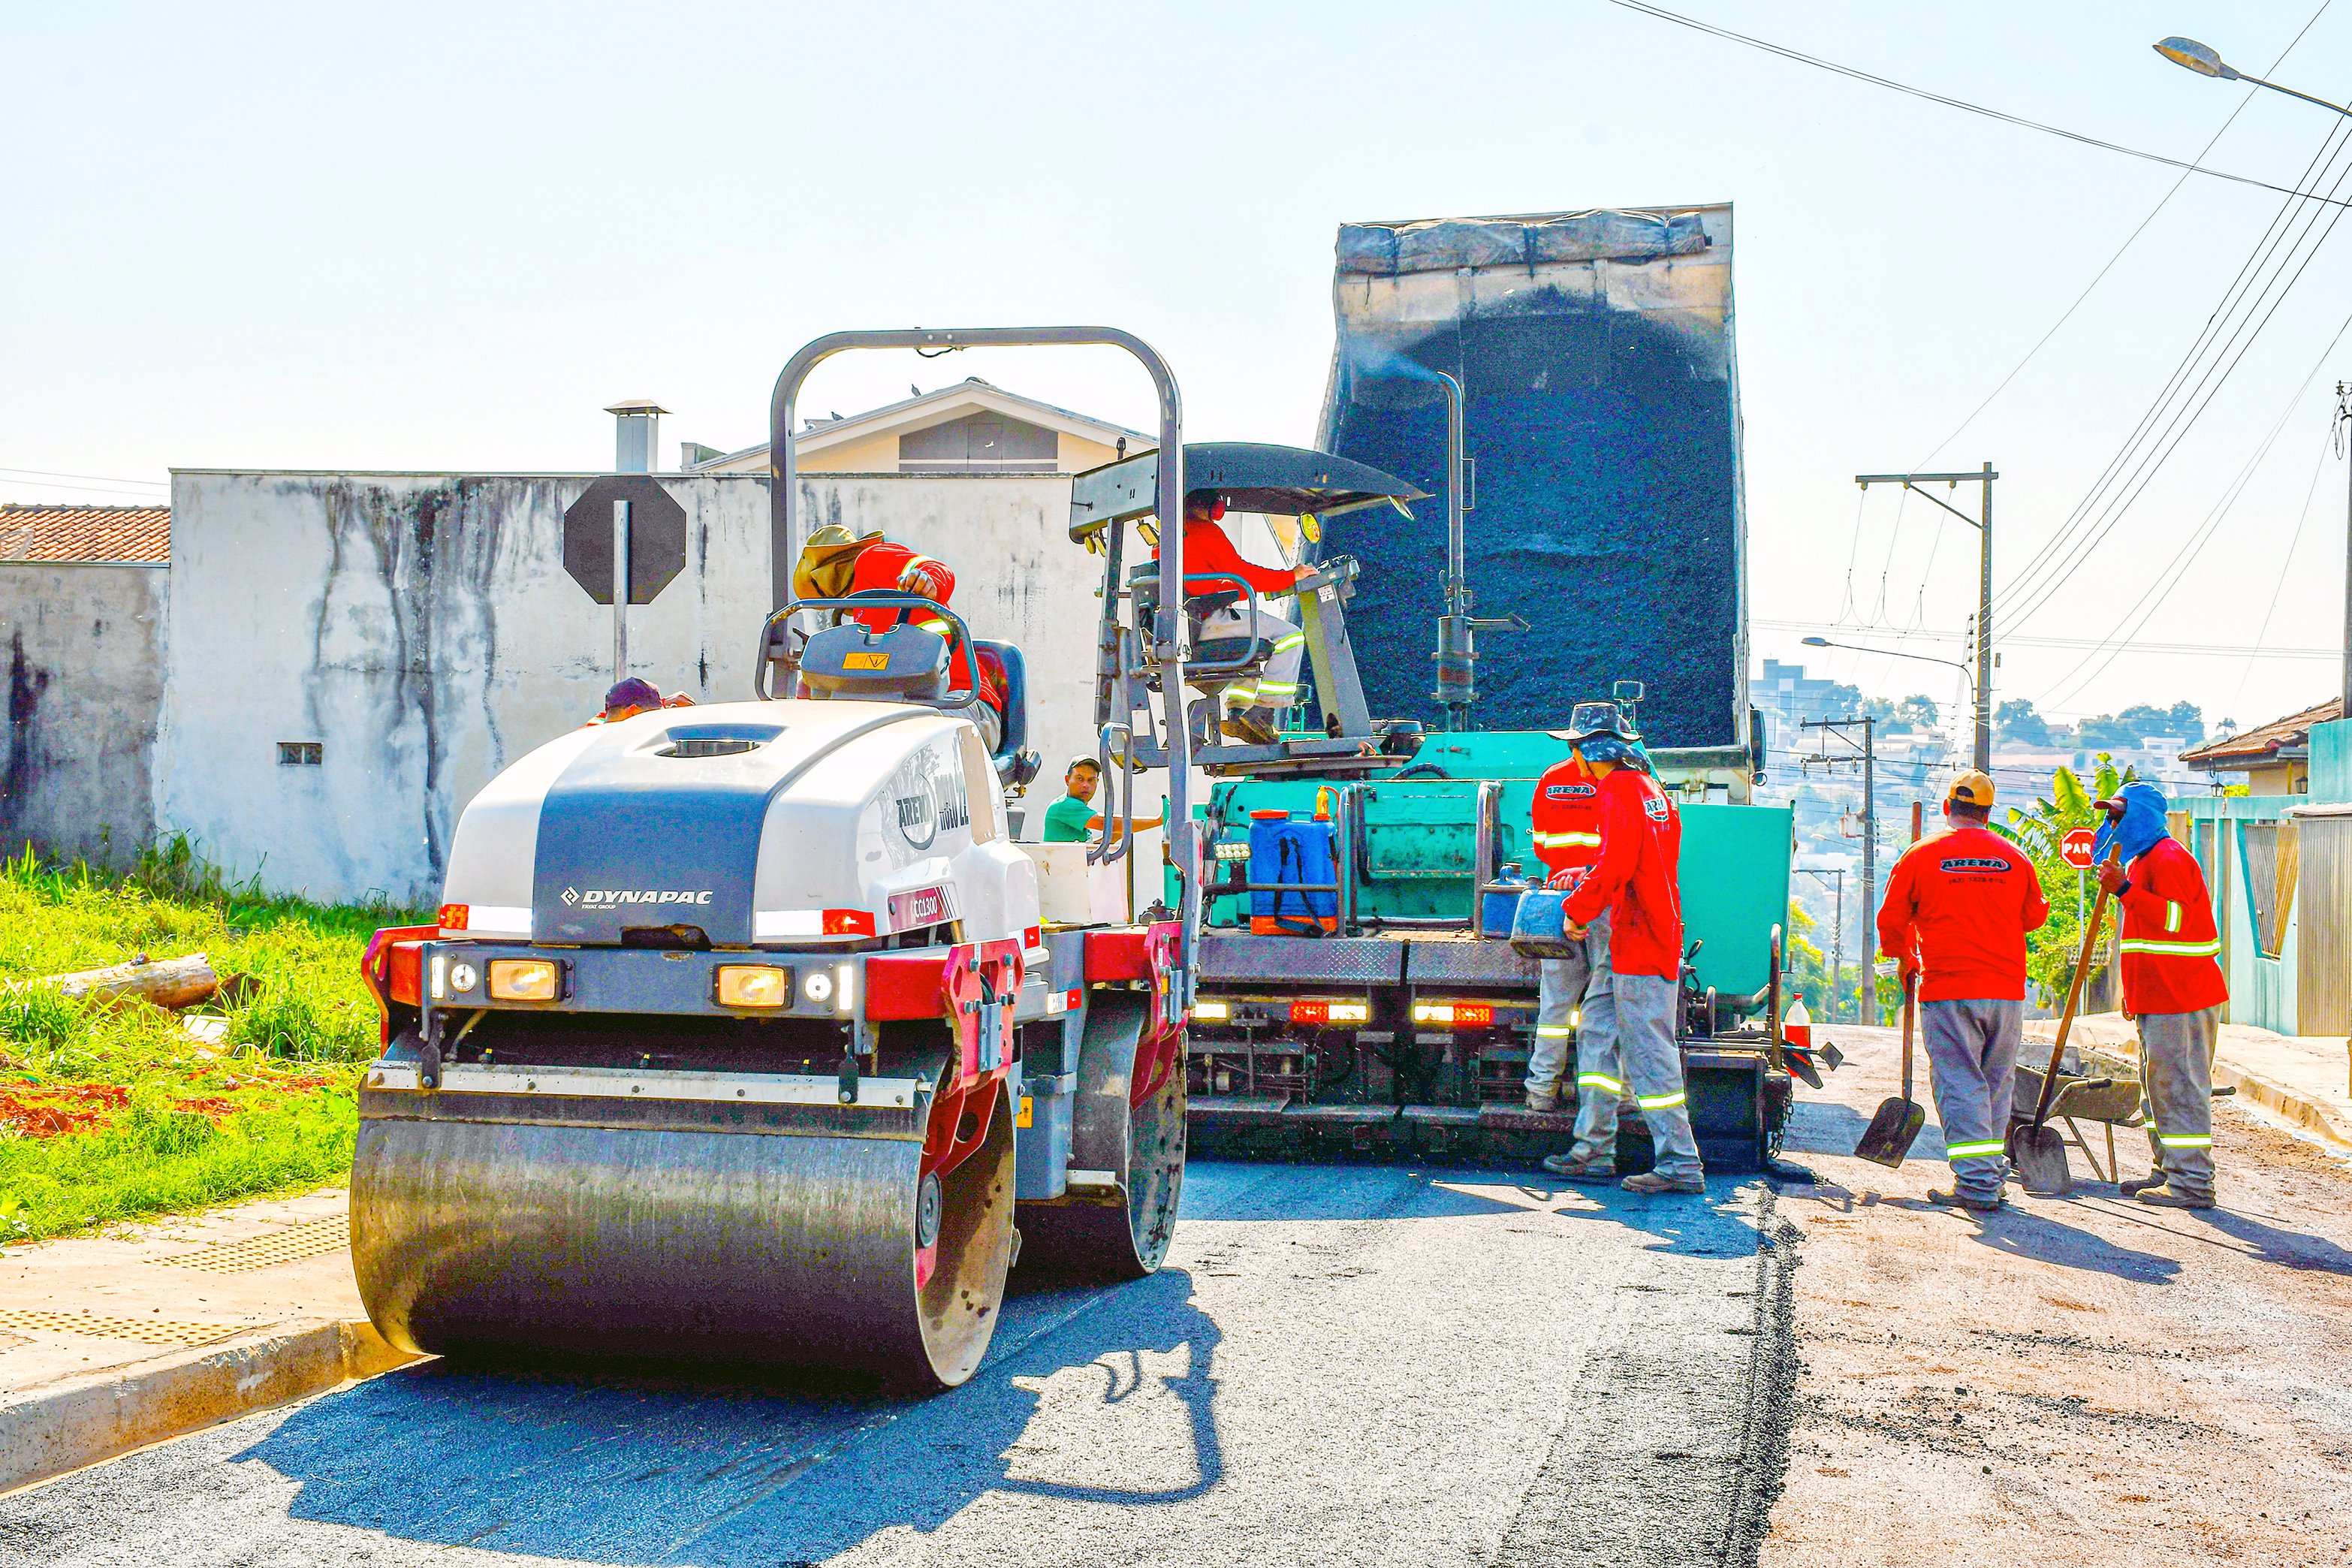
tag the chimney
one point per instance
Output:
(637, 427)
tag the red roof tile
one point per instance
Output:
(85, 532)
(2261, 745)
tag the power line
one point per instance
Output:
(103, 479)
(2224, 649)
(1818, 64)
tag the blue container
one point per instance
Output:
(1284, 851)
(1498, 901)
(1539, 928)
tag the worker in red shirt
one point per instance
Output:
(1252, 704)
(835, 564)
(2172, 985)
(1956, 913)
(1566, 827)
(1627, 1038)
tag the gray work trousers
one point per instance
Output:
(1560, 986)
(2176, 1075)
(1972, 1050)
(1276, 687)
(1628, 1041)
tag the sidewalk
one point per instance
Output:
(2304, 1078)
(113, 1340)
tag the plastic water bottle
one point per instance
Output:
(1797, 1026)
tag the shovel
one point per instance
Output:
(1888, 1137)
(2035, 1148)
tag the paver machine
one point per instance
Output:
(746, 1034)
(1354, 1000)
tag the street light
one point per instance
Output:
(2191, 55)
(1898, 653)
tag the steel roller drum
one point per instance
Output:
(474, 1229)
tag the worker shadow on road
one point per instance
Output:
(2030, 1233)
(1816, 1127)
(627, 1470)
(2271, 1244)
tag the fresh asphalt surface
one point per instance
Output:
(1340, 1363)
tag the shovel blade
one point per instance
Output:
(1887, 1140)
(2038, 1154)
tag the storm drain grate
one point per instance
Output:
(153, 1330)
(295, 1242)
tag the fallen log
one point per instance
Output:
(170, 982)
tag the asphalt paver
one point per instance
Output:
(1339, 1364)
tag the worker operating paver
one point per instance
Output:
(1253, 705)
(1956, 913)
(1629, 1021)
(2173, 987)
(1566, 827)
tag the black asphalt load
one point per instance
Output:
(1340, 1366)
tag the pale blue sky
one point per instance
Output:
(439, 235)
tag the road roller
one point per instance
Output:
(746, 1034)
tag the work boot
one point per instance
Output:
(1582, 1165)
(2167, 1197)
(1956, 1199)
(2139, 1184)
(1545, 1101)
(1651, 1182)
(1252, 724)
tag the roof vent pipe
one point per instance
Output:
(636, 428)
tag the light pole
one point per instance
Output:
(2192, 55)
(1983, 525)
(1984, 758)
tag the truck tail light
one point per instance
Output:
(1457, 1014)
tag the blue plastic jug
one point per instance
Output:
(1498, 900)
(1539, 927)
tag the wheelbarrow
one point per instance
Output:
(2101, 1098)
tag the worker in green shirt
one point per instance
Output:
(1071, 818)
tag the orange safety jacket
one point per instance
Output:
(881, 566)
(2171, 951)
(1566, 823)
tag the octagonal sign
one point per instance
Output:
(656, 537)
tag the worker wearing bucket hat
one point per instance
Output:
(2173, 987)
(835, 564)
(1956, 913)
(1627, 1037)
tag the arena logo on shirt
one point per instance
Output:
(1569, 792)
(1655, 810)
(1963, 865)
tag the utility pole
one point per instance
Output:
(2343, 418)
(1983, 525)
(1867, 992)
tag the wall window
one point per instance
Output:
(301, 753)
(981, 443)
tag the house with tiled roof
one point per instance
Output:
(2275, 757)
(85, 532)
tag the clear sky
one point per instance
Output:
(441, 236)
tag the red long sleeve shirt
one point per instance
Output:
(1959, 905)
(1206, 549)
(1566, 824)
(881, 566)
(2170, 949)
(1633, 877)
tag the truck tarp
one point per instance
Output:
(1602, 416)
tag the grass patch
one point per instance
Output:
(118, 1112)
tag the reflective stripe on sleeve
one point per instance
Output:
(2172, 916)
(1973, 1151)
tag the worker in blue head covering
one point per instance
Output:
(2173, 987)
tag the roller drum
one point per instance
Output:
(790, 1246)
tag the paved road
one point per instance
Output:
(1341, 1365)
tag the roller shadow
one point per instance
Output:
(630, 1469)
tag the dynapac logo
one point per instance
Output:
(614, 898)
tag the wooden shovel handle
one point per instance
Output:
(2073, 994)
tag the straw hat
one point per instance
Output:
(827, 560)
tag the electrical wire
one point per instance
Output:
(103, 479)
(2335, 428)
(2199, 649)
(2007, 119)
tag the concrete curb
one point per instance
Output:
(45, 1432)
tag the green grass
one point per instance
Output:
(115, 1112)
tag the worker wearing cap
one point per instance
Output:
(1565, 828)
(1253, 705)
(1627, 1039)
(1956, 913)
(629, 697)
(2172, 985)
(836, 563)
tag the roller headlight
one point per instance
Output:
(753, 986)
(818, 987)
(526, 979)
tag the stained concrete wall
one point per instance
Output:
(84, 645)
(420, 628)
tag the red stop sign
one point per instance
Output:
(2075, 848)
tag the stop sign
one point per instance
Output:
(2075, 848)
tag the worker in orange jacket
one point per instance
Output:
(1566, 827)
(836, 563)
(1954, 915)
(1254, 703)
(2173, 986)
